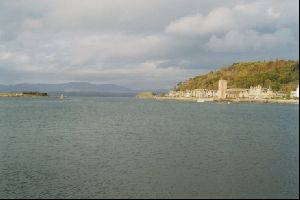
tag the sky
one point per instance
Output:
(140, 44)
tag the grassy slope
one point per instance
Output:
(280, 75)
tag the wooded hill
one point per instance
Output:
(280, 75)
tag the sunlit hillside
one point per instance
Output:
(280, 75)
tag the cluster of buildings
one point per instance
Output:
(295, 94)
(254, 92)
(198, 93)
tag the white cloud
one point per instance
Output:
(218, 20)
(254, 15)
(85, 51)
(15, 57)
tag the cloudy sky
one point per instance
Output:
(137, 43)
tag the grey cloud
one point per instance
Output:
(125, 42)
(251, 40)
(256, 14)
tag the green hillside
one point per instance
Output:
(145, 95)
(280, 75)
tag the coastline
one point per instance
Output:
(280, 101)
(23, 94)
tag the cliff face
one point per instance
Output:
(280, 75)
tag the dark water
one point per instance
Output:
(89, 147)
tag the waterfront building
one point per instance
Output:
(204, 93)
(211, 93)
(222, 89)
(269, 93)
(188, 94)
(171, 93)
(175, 94)
(235, 93)
(19, 94)
(198, 93)
(295, 94)
(254, 92)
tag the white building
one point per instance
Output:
(255, 92)
(295, 94)
(222, 89)
(188, 94)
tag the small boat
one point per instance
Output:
(61, 97)
(228, 102)
(200, 101)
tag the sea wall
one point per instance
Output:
(283, 101)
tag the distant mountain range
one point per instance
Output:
(72, 87)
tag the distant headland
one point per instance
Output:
(66, 87)
(70, 89)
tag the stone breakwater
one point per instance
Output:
(23, 94)
(283, 101)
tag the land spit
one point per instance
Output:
(23, 94)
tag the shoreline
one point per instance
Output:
(22, 94)
(277, 101)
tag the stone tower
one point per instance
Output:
(222, 89)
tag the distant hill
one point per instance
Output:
(280, 75)
(66, 87)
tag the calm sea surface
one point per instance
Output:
(93, 147)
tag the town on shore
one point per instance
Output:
(252, 94)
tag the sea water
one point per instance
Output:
(96, 147)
